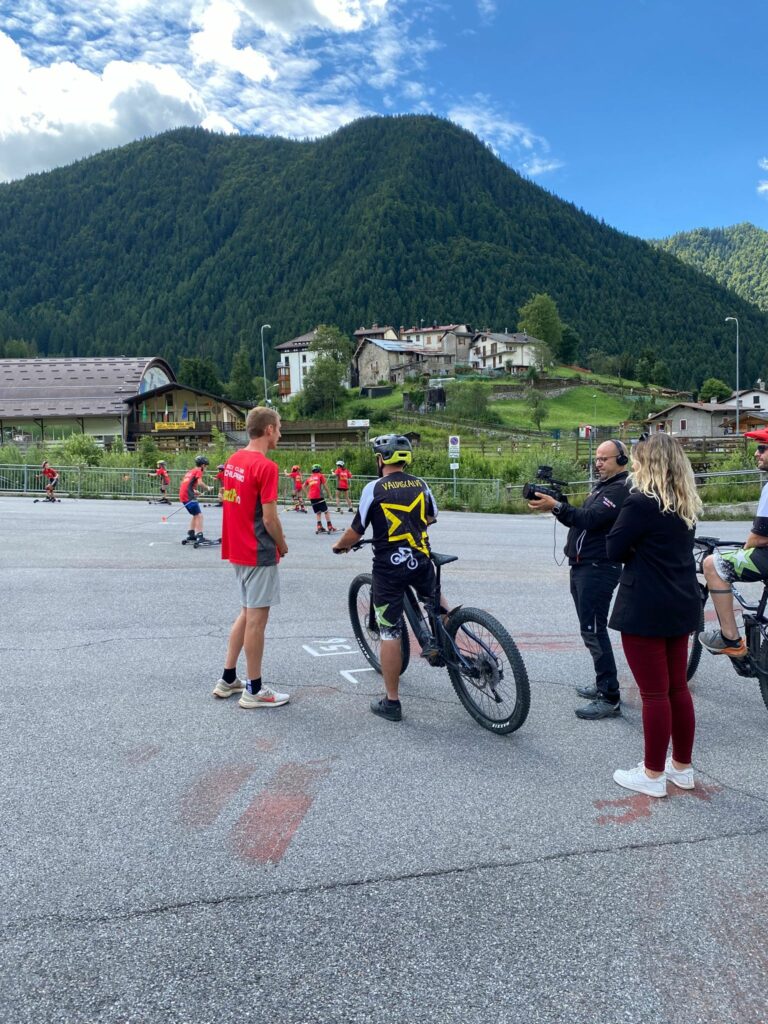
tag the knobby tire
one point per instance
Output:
(695, 648)
(500, 699)
(368, 639)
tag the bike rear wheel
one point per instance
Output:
(364, 624)
(494, 687)
(695, 648)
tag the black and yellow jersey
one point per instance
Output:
(398, 508)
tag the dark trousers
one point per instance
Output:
(592, 587)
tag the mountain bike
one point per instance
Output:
(754, 665)
(481, 658)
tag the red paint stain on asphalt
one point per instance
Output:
(264, 746)
(142, 754)
(204, 801)
(632, 808)
(548, 642)
(269, 823)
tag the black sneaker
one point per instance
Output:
(384, 708)
(600, 708)
(588, 692)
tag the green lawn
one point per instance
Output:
(568, 411)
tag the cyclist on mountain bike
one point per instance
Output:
(745, 565)
(399, 508)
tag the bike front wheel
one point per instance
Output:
(364, 626)
(486, 670)
(695, 648)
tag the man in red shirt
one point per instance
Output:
(191, 486)
(253, 542)
(298, 489)
(162, 473)
(343, 476)
(52, 478)
(315, 485)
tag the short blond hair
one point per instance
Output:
(259, 419)
(662, 471)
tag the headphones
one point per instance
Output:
(621, 452)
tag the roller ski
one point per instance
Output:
(159, 501)
(54, 500)
(199, 541)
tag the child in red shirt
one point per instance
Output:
(343, 476)
(52, 478)
(315, 485)
(298, 494)
(165, 479)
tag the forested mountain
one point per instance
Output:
(736, 257)
(186, 243)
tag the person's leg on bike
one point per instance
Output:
(743, 565)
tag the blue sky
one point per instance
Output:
(649, 114)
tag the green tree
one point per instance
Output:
(148, 452)
(201, 374)
(468, 401)
(82, 450)
(660, 373)
(713, 387)
(570, 344)
(240, 385)
(329, 342)
(537, 407)
(540, 319)
(322, 392)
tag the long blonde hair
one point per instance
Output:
(661, 470)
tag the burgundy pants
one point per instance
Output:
(659, 665)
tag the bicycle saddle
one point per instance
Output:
(443, 559)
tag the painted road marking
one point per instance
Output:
(350, 673)
(264, 831)
(328, 648)
(206, 799)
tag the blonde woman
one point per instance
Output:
(658, 606)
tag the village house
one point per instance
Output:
(516, 353)
(694, 419)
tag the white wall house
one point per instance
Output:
(294, 361)
(492, 351)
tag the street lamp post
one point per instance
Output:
(263, 361)
(735, 319)
(591, 432)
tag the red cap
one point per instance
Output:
(758, 435)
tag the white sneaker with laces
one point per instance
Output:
(224, 690)
(265, 698)
(683, 779)
(637, 780)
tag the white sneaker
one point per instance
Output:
(683, 779)
(265, 698)
(637, 780)
(224, 690)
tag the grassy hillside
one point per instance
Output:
(185, 244)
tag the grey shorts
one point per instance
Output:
(259, 585)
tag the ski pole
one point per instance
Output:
(164, 519)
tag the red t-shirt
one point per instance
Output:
(50, 473)
(296, 477)
(189, 483)
(314, 483)
(250, 482)
(343, 476)
(220, 476)
(164, 477)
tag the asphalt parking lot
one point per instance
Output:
(170, 857)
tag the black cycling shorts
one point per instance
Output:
(319, 505)
(388, 591)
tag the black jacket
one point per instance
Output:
(658, 592)
(590, 523)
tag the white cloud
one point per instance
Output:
(487, 9)
(213, 44)
(294, 17)
(53, 115)
(762, 188)
(763, 163)
(511, 139)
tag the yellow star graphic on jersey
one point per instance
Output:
(397, 522)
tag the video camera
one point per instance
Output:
(545, 484)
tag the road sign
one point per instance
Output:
(454, 446)
(454, 465)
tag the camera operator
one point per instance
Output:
(593, 576)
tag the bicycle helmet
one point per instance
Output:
(160, 463)
(295, 469)
(201, 461)
(340, 462)
(317, 469)
(220, 467)
(393, 448)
